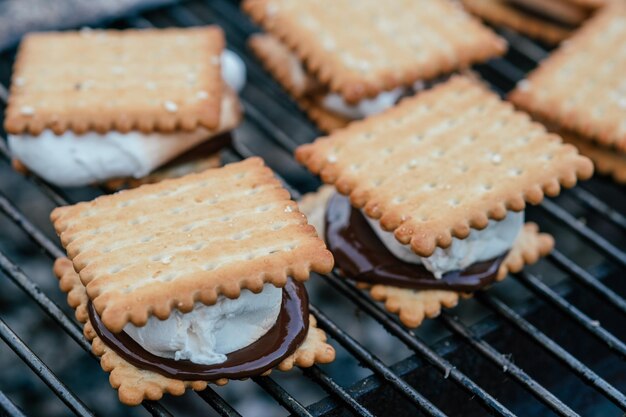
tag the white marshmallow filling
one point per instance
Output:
(480, 245)
(335, 102)
(70, 159)
(207, 334)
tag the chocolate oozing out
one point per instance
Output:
(362, 256)
(278, 343)
(202, 150)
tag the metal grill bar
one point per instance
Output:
(555, 349)
(16, 275)
(587, 279)
(581, 229)
(42, 371)
(374, 363)
(217, 403)
(8, 407)
(23, 223)
(283, 397)
(592, 326)
(591, 201)
(270, 129)
(411, 340)
(508, 367)
(238, 30)
(53, 310)
(334, 389)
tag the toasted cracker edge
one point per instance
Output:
(135, 385)
(412, 306)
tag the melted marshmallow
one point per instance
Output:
(208, 333)
(70, 160)
(481, 245)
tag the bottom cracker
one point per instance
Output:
(135, 385)
(414, 305)
(499, 13)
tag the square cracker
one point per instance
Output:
(360, 48)
(167, 245)
(148, 80)
(444, 161)
(581, 86)
(135, 385)
(502, 13)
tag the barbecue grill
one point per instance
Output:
(548, 341)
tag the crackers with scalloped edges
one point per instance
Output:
(413, 306)
(102, 80)
(581, 87)
(607, 161)
(386, 45)
(503, 13)
(148, 250)
(443, 162)
(135, 385)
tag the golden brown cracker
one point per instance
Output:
(529, 246)
(384, 46)
(581, 86)
(501, 13)
(135, 385)
(144, 251)
(101, 80)
(412, 306)
(459, 157)
(607, 161)
(288, 71)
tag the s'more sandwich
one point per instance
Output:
(92, 106)
(429, 196)
(345, 60)
(580, 91)
(549, 21)
(193, 280)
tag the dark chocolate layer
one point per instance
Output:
(272, 348)
(362, 256)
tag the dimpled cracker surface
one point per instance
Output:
(167, 245)
(582, 86)
(147, 80)
(443, 161)
(359, 48)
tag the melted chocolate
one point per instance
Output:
(279, 342)
(362, 256)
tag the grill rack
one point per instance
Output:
(278, 139)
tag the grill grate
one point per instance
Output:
(273, 128)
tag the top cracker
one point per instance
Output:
(167, 245)
(147, 80)
(581, 86)
(443, 161)
(362, 47)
